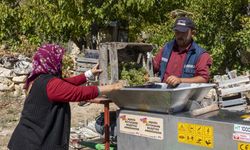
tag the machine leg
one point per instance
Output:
(106, 126)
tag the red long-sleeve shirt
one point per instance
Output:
(69, 89)
(176, 61)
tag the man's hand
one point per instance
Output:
(95, 71)
(173, 80)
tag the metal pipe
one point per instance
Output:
(106, 125)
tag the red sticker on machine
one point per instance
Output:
(241, 137)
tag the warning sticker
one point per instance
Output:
(151, 127)
(195, 134)
(243, 146)
(141, 126)
(241, 137)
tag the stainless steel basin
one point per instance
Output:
(159, 97)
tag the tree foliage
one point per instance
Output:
(219, 23)
(222, 25)
(9, 23)
(222, 29)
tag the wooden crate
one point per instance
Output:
(231, 90)
(86, 61)
(113, 53)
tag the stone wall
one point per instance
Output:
(13, 72)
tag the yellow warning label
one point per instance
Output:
(243, 146)
(196, 134)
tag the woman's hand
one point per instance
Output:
(95, 71)
(118, 85)
(112, 87)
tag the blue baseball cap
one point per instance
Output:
(182, 24)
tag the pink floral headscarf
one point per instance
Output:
(47, 60)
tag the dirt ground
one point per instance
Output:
(10, 109)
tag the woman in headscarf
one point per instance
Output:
(45, 119)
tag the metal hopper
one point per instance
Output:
(159, 97)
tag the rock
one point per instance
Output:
(247, 94)
(22, 67)
(6, 73)
(24, 58)
(19, 79)
(21, 85)
(4, 87)
(1, 94)
(6, 84)
(73, 49)
(16, 94)
(18, 90)
(6, 132)
(22, 97)
(4, 80)
(8, 61)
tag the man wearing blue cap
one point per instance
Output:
(182, 60)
